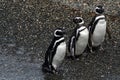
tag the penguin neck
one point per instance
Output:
(100, 17)
(78, 25)
(56, 38)
(99, 14)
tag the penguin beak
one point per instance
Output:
(64, 32)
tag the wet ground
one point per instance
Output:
(26, 29)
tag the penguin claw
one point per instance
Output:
(47, 70)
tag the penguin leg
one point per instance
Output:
(53, 70)
(72, 48)
(77, 57)
(85, 54)
(90, 48)
(90, 43)
(73, 53)
(101, 48)
(45, 68)
(45, 65)
(86, 51)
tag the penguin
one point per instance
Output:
(97, 29)
(55, 53)
(79, 39)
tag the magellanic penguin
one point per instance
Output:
(79, 39)
(55, 53)
(97, 29)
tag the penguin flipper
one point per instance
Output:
(71, 47)
(45, 67)
(90, 42)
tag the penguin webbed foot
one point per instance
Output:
(48, 70)
(53, 70)
(71, 57)
(77, 57)
(101, 48)
(45, 69)
(91, 51)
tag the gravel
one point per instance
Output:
(26, 29)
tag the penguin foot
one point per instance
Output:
(71, 57)
(78, 57)
(46, 69)
(91, 51)
(101, 48)
(55, 72)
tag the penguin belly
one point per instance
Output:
(82, 42)
(59, 55)
(99, 33)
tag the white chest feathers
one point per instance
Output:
(82, 41)
(99, 33)
(59, 55)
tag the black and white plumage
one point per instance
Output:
(55, 52)
(79, 38)
(97, 28)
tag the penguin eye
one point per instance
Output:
(100, 10)
(79, 20)
(59, 33)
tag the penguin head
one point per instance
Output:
(59, 32)
(99, 9)
(78, 20)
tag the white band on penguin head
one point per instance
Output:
(96, 9)
(81, 22)
(56, 34)
(77, 17)
(99, 8)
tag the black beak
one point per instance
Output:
(64, 32)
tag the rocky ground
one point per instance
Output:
(26, 29)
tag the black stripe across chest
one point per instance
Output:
(95, 23)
